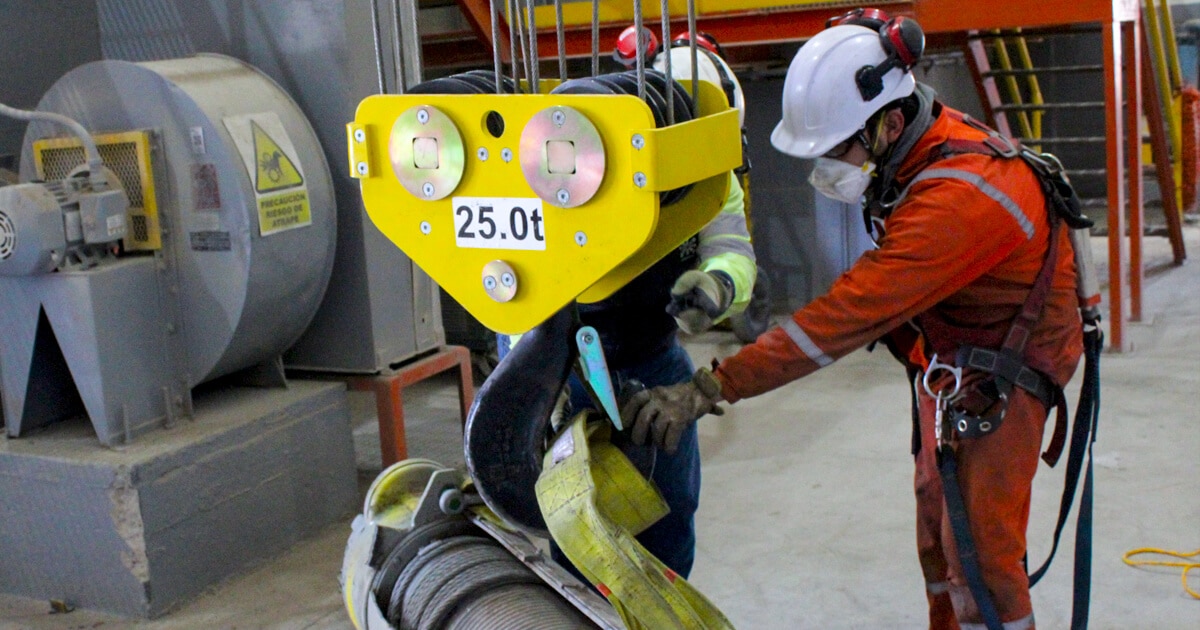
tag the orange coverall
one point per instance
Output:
(964, 245)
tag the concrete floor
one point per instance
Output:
(806, 519)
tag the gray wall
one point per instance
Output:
(40, 41)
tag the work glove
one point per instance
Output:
(662, 414)
(699, 298)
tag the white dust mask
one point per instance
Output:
(841, 181)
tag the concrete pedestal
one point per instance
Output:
(138, 529)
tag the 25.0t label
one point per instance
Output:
(499, 223)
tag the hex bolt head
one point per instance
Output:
(580, 239)
(360, 135)
(482, 153)
(639, 179)
(422, 116)
(507, 279)
(558, 117)
(506, 155)
(638, 141)
(362, 168)
(489, 282)
(563, 196)
(426, 228)
(427, 188)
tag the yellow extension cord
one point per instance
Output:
(1187, 566)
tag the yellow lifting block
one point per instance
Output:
(517, 204)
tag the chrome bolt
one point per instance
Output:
(588, 338)
(558, 117)
(489, 282)
(422, 116)
(362, 168)
(506, 155)
(507, 279)
(360, 135)
(563, 196)
(426, 228)
(580, 239)
(638, 141)
(427, 188)
(639, 179)
(482, 153)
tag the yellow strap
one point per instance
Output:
(1187, 566)
(594, 502)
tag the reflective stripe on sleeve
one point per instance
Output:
(728, 224)
(726, 245)
(1024, 623)
(937, 588)
(977, 181)
(806, 345)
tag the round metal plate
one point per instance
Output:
(418, 126)
(562, 124)
(500, 281)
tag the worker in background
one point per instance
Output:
(965, 235)
(706, 279)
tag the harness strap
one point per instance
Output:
(968, 555)
(1006, 363)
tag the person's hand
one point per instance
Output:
(662, 414)
(699, 298)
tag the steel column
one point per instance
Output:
(1133, 162)
(1118, 255)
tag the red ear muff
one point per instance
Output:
(703, 40)
(903, 41)
(873, 19)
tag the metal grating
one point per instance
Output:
(127, 156)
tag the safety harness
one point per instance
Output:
(976, 404)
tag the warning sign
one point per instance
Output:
(274, 170)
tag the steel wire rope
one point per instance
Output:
(595, 37)
(496, 46)
(640, 49)
(534, 53)
(562, 42)
(514, 35)
(691, 10)
(666, 39)
(517, 14)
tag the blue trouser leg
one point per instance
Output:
(672, 539)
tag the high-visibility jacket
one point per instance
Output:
(965, 243)
(633, 322)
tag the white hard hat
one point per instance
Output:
(710, 68)
(822, 102)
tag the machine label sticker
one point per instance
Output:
(206, 194)
(499, 223)
(211, 241)
(274, 169)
